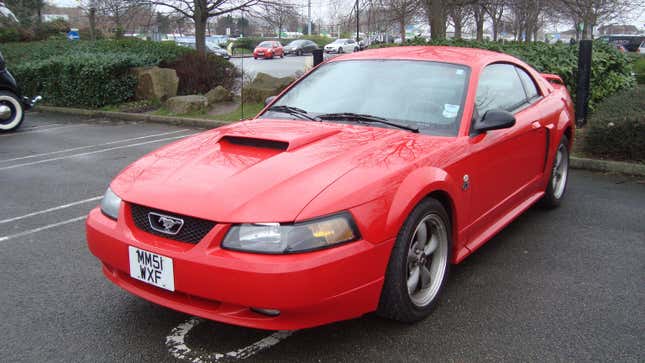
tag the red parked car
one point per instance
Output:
(268, 50)
(345, 195)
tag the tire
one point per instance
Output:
(341, 50)
(298, 52)
(557, 185)
(13, 111)
(356, 49)
(397, 302)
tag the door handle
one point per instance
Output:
(536, 125)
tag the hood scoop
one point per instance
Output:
(256, 142)
(269, 135)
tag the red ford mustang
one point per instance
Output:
(345, 195)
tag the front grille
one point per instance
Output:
(193, 230)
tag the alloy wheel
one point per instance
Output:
(427, 260)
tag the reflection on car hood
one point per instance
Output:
(235, 173)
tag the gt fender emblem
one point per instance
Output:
(466, 182)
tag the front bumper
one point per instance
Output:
(309, 289)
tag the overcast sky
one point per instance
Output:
(321, 8)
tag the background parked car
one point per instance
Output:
(211, 48)
(342, 46)
(641, 48)
(268, 49)
(300, 47)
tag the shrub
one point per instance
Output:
(85, 79)
(198, 74)
(610, 71)
(83, 73)
(616, 129)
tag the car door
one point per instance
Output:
(506, 164)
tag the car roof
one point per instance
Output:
(472, 57)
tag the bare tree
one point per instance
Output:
(278, 14)
(202, 10)
(401, 11)
(589, 13)
(495, 10)
(459, 15)
(479, 16)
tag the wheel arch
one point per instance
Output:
(423, 183)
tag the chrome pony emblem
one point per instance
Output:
(165, 224)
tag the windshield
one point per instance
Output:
(265, 45)
(420, 94)
(295, 43)
(338, 41)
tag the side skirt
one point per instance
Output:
(491, 231)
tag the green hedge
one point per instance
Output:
(616, 130)
(83, 73)
(611, 70)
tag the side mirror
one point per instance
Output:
(494, 120)
(269, 100)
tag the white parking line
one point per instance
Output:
(34, 230)
(90, 152)
(39, 130)
(51, 209)
(91, 146)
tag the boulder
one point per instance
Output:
(154, 83)
(180, 105)
(263, 86)
(219, 94)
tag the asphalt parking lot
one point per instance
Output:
(560, 285)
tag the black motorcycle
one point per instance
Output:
(12, 104)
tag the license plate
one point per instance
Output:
(260, 53)
(151, 268)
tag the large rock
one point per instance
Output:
(263, 86)
(154, 83)
(219, 94)
(187, 104)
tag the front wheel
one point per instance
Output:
(419, 264)
(11, 111)
(559, 176)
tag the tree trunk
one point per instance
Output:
(437, 19)
(402, 29)
(495, 30)
(457, 28)
(478, 14)
(92, 19)
(200, 17)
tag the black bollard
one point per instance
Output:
(318, 56)
(584, 77)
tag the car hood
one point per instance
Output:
(253, 171)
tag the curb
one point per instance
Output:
(125, 116)
(607, 166)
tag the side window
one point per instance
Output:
(529, 85)
(499, 87)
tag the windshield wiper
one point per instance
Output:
(366, 118)
(294, 111)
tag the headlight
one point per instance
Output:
(110, 204)
(276, 238)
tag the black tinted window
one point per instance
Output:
(499, 88)
(529, 85)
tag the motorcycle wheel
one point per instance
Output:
(12, 112)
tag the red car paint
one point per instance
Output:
(274, 50)
(377, 174)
